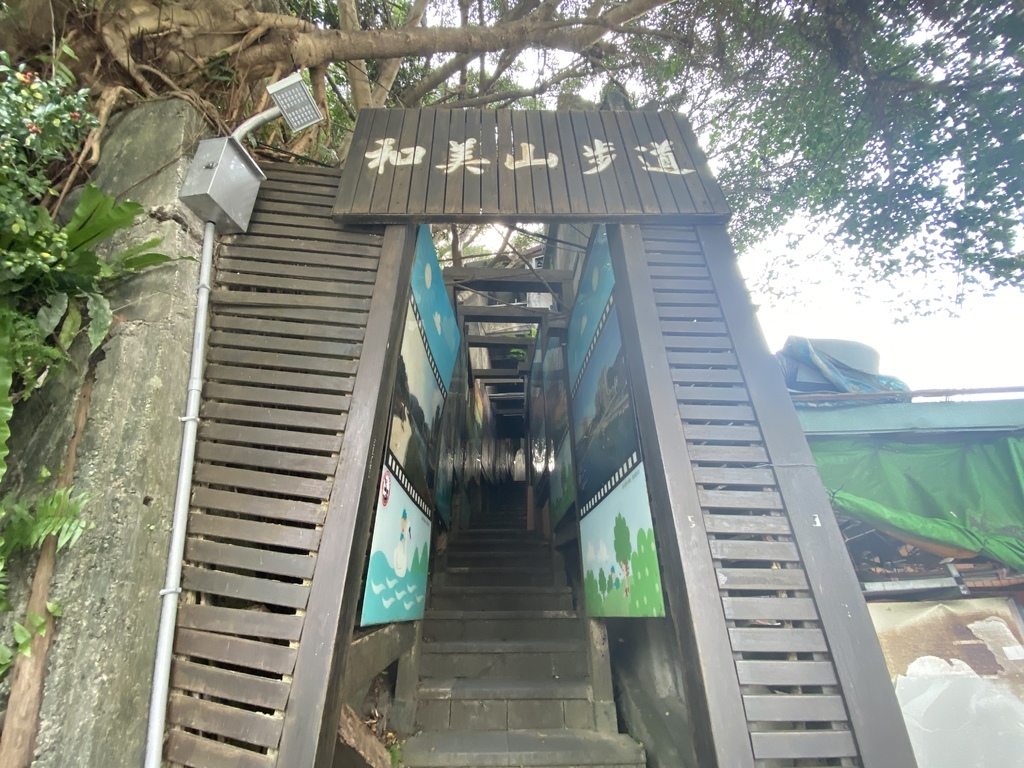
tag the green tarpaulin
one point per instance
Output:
(965, 492)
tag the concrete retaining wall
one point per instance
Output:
(100, 663)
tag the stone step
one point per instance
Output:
(480, 598)
(498, 524)
(515, 532)
(502, 689)
(514, 511)
(537, 559)
(526, 748)
(451, 626)
(467, 576)
(499, 704)
(524, 660)
(502, 544)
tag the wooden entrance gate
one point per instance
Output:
(783, 664)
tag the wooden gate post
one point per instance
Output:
(311, 718)
(874, 712)
(689, 574)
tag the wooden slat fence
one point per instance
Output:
(289, 311)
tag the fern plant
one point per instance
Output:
(25, 523)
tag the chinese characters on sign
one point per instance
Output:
(600, 155)
(666, 161)
(527, 158)
(460, 154)
(656, 157)
(386, 154)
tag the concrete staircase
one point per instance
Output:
(510, 674)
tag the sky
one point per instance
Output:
(978, 347)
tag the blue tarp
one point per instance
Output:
(838, 376)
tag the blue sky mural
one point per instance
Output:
(595, 288)
(435, 309)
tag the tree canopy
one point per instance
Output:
(896, 125)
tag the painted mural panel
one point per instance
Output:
(431, 297)
(409, 489)
(556, 396)
(591, 299)
(396, 581)
(416, 408)
(620, 560)
(602, 411)
(563, 488)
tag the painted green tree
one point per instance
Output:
(645, 596)
(623, 545)
(602, 581)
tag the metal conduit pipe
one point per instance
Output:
(172, 580)
(254, 122)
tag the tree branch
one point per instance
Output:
(434, 78)
(479, 101)
(359, 82)
(389, 70)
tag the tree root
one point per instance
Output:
(17, 742)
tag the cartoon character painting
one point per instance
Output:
(401, 553)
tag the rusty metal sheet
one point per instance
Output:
(958, 670)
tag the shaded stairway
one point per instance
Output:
(508, 668)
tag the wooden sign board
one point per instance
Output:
(504, 165)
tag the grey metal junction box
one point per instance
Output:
(222, 183)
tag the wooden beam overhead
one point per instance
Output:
(500, 342)
(501, 314)
(510, 380)
(494, 279)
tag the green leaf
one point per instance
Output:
(50, 315)
(37, 623)
(136, 258)
(6, 406)
(21, 635)
(143, 261)
(55, 609)
(96, 218)
(6, 658)
(100, 318)
(72, 325)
